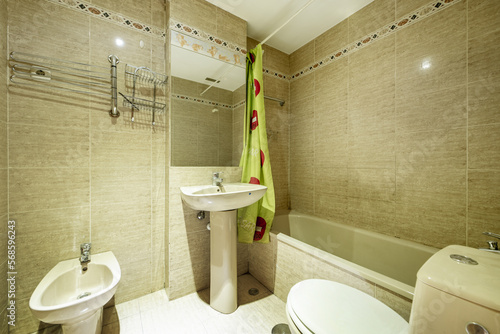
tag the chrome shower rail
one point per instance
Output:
(281, 102)
(64, 75)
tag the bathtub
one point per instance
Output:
(380, 260)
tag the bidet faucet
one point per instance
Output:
(85, 253)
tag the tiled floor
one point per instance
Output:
(154, 313)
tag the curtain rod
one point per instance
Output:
(284, 24)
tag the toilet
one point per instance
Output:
(457, 291)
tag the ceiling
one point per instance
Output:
(265, 16)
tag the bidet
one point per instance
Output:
(73, 297)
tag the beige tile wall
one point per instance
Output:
(378, 142)
(75, 174)
(3, 165)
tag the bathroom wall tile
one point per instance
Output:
(66, 228)
(57, 109)
(129, 8)
(4, 188)
(404, 7)
(35, 146)
(302, 153)
(129, 186)
(483, 52)
(431, 55)
(431, 149)
(442, 193)
(231, 28)
(48, 188)
(186, 280)
(372, 215)
(483, 55)
(116, 227)
(483, 204)
(197, 13)
(158, 244)
(375, 184)
(276, 60)
(302, 88)
(302, 57)
(47, 29)
(370, 18)
(3, 322)
(330, 192)
(444, 109)
(371, 151)
(371, 72)
(261, 262)
(25, 321)
(189, 249)
(333, 39)
(483, 99)
(160, 13)
(397, 302)
(484, 147)
(103, 43)
(242, 256)
(120, 149)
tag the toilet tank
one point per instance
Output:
(457, 291)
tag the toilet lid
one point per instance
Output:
(321, 306)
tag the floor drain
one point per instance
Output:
(253, 292)
(85, 294)
(281, 329)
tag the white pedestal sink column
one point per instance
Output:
(223, 265)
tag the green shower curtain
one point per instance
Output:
(255, 221)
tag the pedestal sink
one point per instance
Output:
(222, 203)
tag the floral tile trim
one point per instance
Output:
(204, 36)
(405, 21)
(212, 50)
(117, 18)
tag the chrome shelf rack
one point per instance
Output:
(147, 79)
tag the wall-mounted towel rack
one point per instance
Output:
(147, 78)
(58, 74)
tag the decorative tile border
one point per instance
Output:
(106, 15)
(206, 102)
(405, 21)
(187, 42)
(204, 36)
(276, 74)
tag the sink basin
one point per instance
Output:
(69, 296)
(210, 198)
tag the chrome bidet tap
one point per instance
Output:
(85, 254)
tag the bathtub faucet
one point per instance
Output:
(85, 253)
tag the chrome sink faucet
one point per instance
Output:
(217, 181)
(85, 253)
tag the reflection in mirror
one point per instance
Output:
(207, 105)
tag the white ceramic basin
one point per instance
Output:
(67, 294)
(210, 198)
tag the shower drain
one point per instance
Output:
(253, 292)
(85, 294)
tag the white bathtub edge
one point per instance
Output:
(400, 288)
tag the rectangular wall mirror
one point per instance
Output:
(207, 122)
